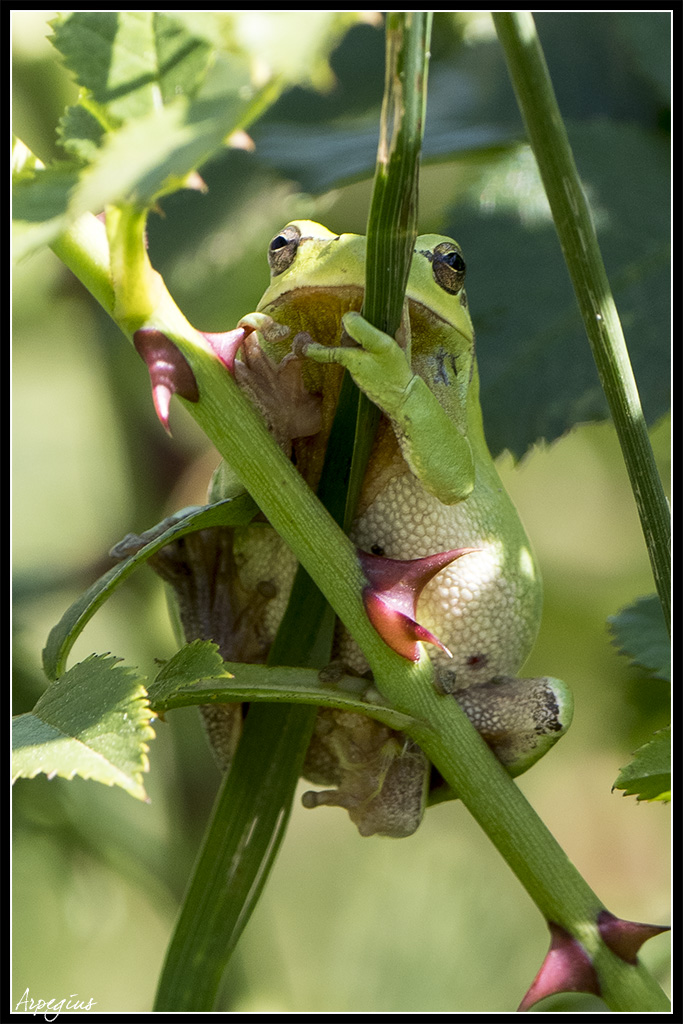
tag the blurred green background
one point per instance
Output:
(435, 922)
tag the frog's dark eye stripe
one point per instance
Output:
(283, 249)
(448, 266)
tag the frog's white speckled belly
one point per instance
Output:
(485, 607)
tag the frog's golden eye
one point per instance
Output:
(283, 248)
(448, 267)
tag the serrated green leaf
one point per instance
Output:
(230, 512)
(648, 776)
(170, 90)
(93, 722)
(151, 155)
(130, 61)
(196, 660)
(81, 131)
(640, 633)
(183, 55)
(176, 97)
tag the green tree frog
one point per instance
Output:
(430, 486)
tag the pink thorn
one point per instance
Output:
(626, 937)
(161, 396)
(400, 631)
(391, 598)
(169, 370)
(566, 968)
(227, 344)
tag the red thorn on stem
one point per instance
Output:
(566, 968)
(227, 345)
(169, 371)
(626, 937)
(391, 598)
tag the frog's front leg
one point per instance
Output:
(432, 445)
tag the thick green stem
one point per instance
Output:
(575, 229)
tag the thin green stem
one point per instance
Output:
(240, 845)
(392, 224)
(576, 232)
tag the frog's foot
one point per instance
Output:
(434, 448)
(380, 775)
(276, 389)
(520, 719)
(377, 363)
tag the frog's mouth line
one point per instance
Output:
(343, 299)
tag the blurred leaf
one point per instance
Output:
(640, 633)
(648, 776)
(130, 60)
(230, 512)
(81, 130)
(93, 722)
(531, 344)
(24, 162)
(648, 40)
(161, 95)
(39, 203)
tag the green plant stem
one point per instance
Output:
(247, 826)
(392, 223)
(573, 222)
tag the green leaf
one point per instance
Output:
(648, 776)
(81, 130)
(153, 154)
(179, 86)
(160, 95)
(198, 660)
(640, 633)
(130, 61)
(93, 722)
(40, 201)
(230, 512)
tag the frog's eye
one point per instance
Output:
(282, 250)
(448, 267)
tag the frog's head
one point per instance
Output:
(317, 277)
(309, 265)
